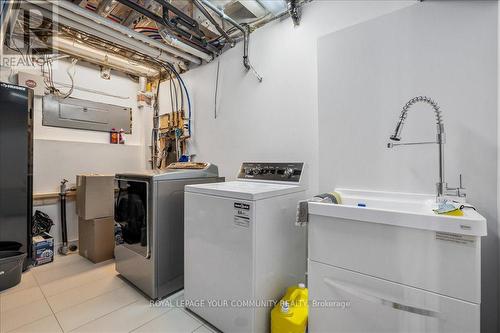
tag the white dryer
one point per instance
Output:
(242, 248)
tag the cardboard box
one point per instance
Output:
(43, 249)
(95, 196)
(96, 238)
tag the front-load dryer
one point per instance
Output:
(150, 212)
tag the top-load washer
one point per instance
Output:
(242, 247)
(150, 210)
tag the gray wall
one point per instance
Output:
(366, 73)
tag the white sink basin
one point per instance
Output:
(400, 209)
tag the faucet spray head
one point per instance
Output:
(397, 132)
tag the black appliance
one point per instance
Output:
(16, 169)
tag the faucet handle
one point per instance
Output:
(460, 183)
(457, 191)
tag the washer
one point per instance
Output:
(242, 248)
(151, 212)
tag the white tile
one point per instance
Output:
(97, 307)
(84, 292)
(24, 315)
(59, 261)
(174, 321)
(27, 281)
(70, 282)
(20, 298)
(125, 319)
(45, 325)
(61, 271)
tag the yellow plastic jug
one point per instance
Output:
(290, 314)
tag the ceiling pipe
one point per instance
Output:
(205, 12)
(105, 7)
(100, 57)
(192, 23)
(133, 16)
(245, 31)
(196, 41)
(78, 14)
(295, 11)
(5, 14)
(106, 34)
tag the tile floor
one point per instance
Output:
(74, 295)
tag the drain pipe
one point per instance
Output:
(295, 11)
(244, 30)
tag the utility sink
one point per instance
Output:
(397, 237)
(400, 209)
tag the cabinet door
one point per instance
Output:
(346, 301)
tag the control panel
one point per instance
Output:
(289, 172)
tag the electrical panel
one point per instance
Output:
(83, 114)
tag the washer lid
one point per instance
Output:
(244, 190)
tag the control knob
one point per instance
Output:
(257, 170)
(288, 172)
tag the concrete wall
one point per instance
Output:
(446, 50)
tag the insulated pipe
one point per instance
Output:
(95, 55)
(107, 34)
(246, 33)
(76, 13)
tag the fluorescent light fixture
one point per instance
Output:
(95, 55)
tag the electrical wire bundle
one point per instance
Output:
(48, 75)
(176, 83)
(171, 70)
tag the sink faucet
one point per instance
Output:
(441, 186)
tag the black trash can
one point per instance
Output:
(11, 267)
(10, 246)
